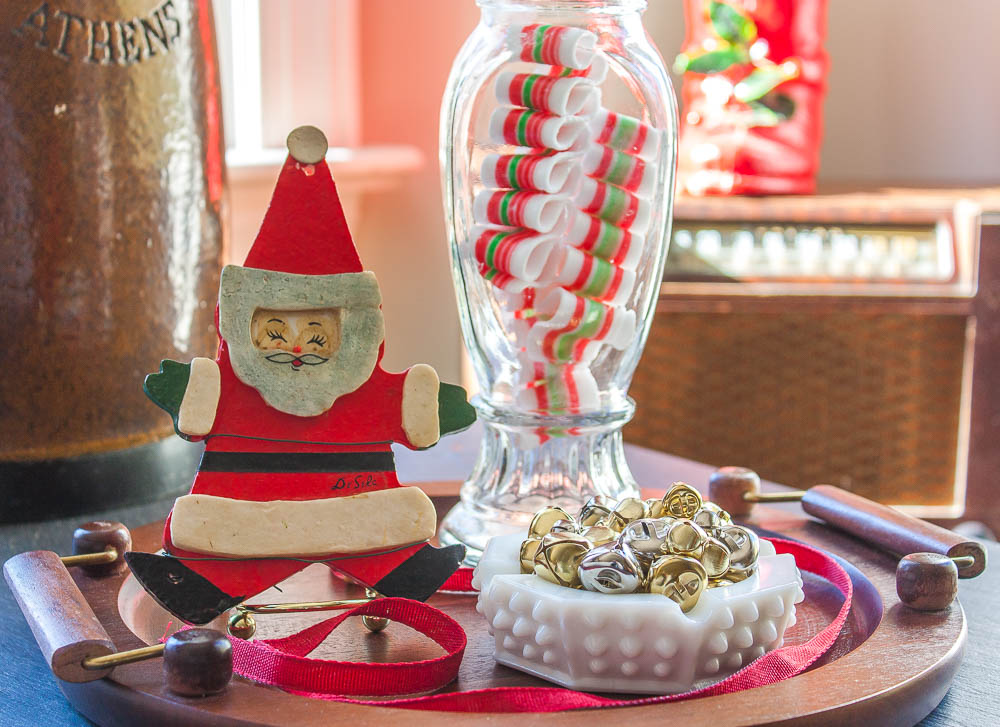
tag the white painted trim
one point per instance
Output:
(421, 418)
(201, 398)
(252, 529)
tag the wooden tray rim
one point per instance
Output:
(864, 687)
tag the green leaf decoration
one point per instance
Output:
(730, 24)
(711, 62)
(780, 103)
(454, 411)
(772, 109)
(761, 115)
(761, 82)
(166, 388)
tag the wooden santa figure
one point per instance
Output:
(298, 417)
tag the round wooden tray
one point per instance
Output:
(890, 664)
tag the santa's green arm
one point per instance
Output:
(189, 393)
(454, 410)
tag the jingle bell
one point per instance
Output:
(654, 507)
(527, 555)
(679, 578)
(682, 501)
(595, 511)
(645, 538)
(626, 511)
(715, 558)
(544, 519)
(599, 535)
(743, 545)
(609, 569)
(558, 557)
(711, 516)
(735, 575)
(686, 538)
(565, 526)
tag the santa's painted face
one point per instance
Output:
(301, 341)
(296, 338)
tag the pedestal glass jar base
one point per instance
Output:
(527, 462)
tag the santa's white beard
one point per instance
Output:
(310, 390)
(303, 391)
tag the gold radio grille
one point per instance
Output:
(868, 401)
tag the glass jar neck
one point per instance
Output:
(502, 9)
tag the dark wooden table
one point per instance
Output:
(29, 694)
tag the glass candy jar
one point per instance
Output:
(558, 149)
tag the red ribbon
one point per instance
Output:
(284, 662)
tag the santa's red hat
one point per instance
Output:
(305, 231)
(303, 259)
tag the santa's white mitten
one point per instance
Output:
(420, 406)
(201, 398)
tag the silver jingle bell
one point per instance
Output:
(609, 569)
(711, 516)
(565, 526)
(595, 511)
(743, 544)
(645, 538)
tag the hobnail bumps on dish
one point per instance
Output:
(632, 643)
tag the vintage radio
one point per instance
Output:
(843, 338)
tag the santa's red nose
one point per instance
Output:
(297, 349)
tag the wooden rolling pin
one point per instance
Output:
(72, 639)
(737, 489)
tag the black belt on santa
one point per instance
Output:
(298, 462)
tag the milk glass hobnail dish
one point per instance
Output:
(555, 323)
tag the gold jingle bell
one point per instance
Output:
(645, 538)
(626, 511)
(715, 558)
(735, 575)
(679, 578)
(686, 538)
(595, 511)
(654, 508)
(527, 555)
(610, 569)
(558, 557)
(719, 582)
(544, 519)
(682, 501)
(599, 535)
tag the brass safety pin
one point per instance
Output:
(243, 625)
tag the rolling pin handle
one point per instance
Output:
(76, 646)
(891, 529)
